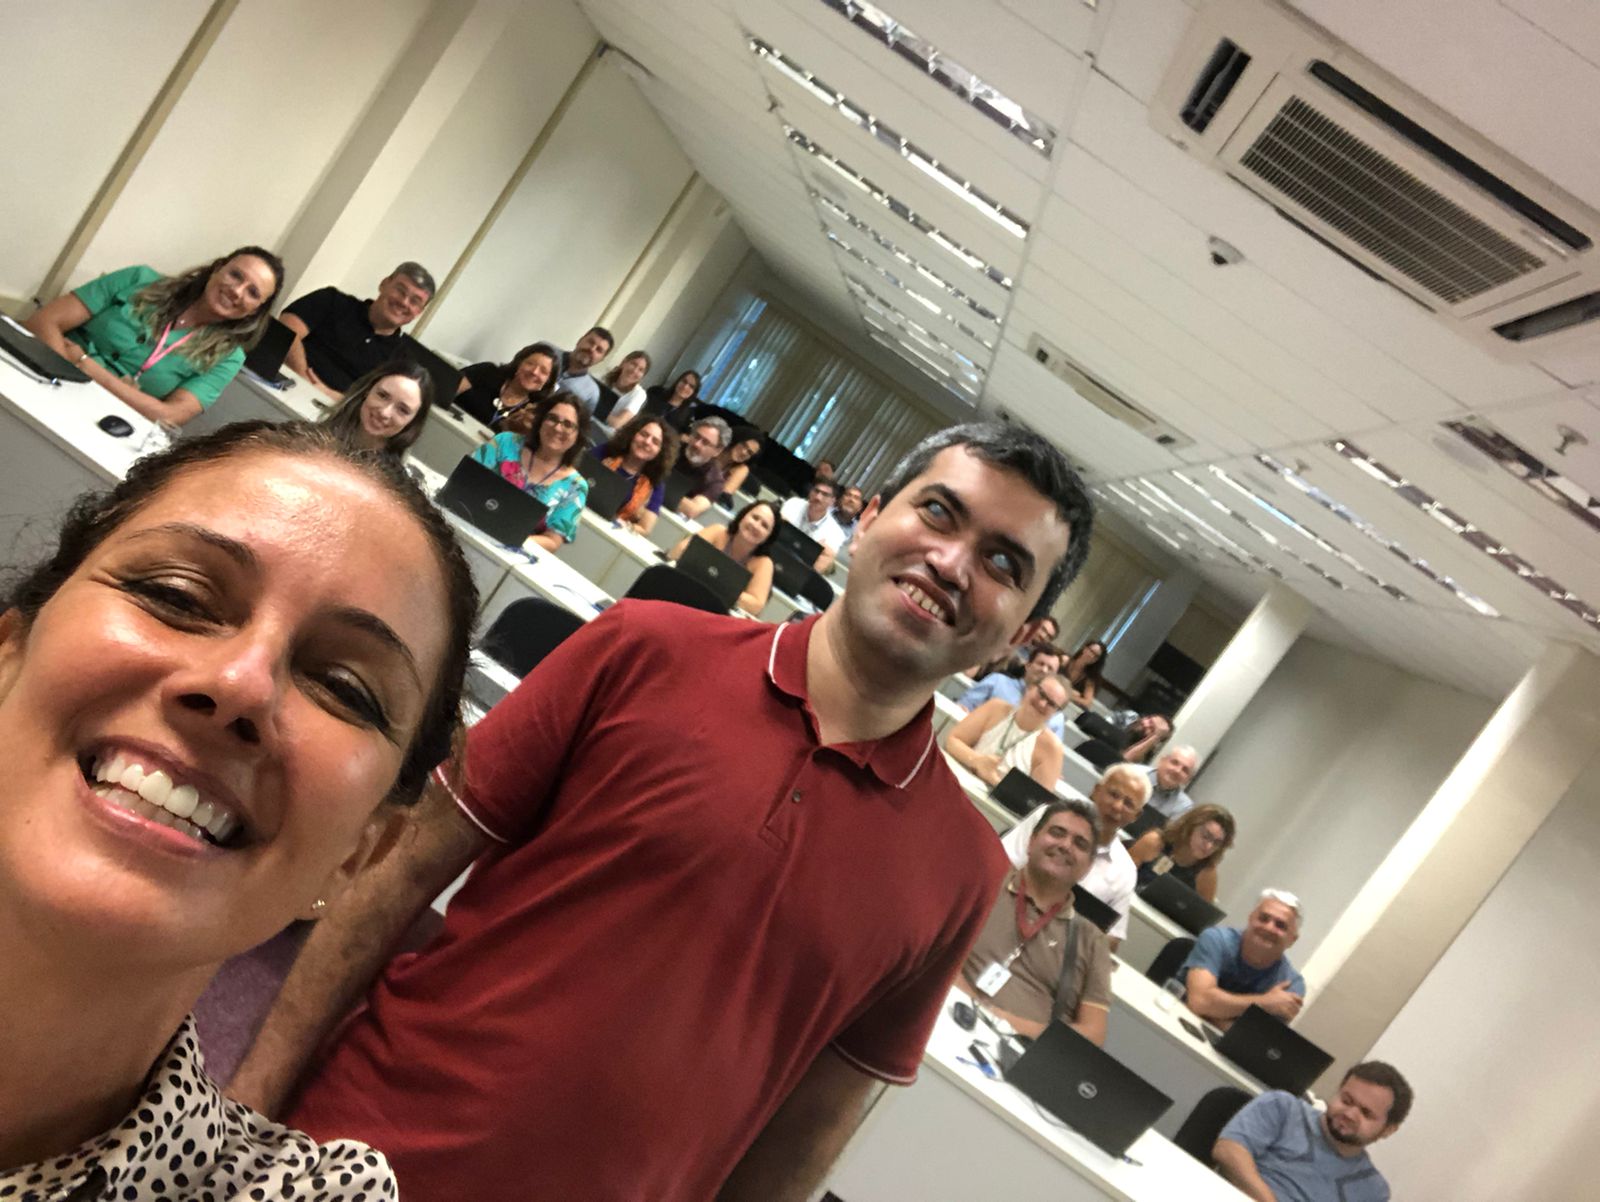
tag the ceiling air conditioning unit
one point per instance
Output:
(1103, 397)
(1383, 177)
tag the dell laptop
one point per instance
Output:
(789, 574)
(719, 572)
(798, 543)
(679, 485)
(1180, 903)
(1021, 794)
(265, 359)
(609, 490)
(1272, 1053)
(1087, 1089)
(491, 503)
(22, 347)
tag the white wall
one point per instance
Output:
(1500, 1041)
(574, 227)
(686, 297)
(79, 74)
(1324, 770)
(266, 112)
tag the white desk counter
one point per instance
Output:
(1153, 1043)
(446, 438)
(946, 713)
(1149, 931)
(671, 529)
(610, 555)
(956, 1136)
(1078, 772)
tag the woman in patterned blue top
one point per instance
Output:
(541, 464)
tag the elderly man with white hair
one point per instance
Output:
(1232, 969)
(1118, 796)
(1168, 777)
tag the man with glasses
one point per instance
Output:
(697, 459)
(1118, 797)
(812, 515)
(1044, 660)
(851, 502)
(1231, 969)
(339, 337)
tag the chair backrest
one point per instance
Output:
(1169, 959)
(817, 590)
(526, 631)
(662, 582)
(1096, 727)
(1102, 755)
(1210, 1115)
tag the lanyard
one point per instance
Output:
(159, 352)
(1023, 928)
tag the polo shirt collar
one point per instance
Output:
(1014, 883)
(894, 759)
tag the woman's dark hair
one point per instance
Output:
(672, 388)
(1177, 832)
(344, 419)
(656, 470)
(542, 411)
(765, 546)
(610, 380)
(538, 348)
(1094, 674)
(165, 300)
(1037, 461)
(94, 516)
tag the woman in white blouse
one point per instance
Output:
(215, 696)
(997, 737)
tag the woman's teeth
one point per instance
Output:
(151, 794)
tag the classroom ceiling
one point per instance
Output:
(1307, 400)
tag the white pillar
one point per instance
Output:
(1412, 907)
(1247, 660)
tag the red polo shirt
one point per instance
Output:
(692, 899)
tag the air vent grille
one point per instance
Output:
(1382, 207)
(1211, 88)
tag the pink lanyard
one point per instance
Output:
(161, 352)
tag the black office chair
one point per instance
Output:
(1169, 959)
(526, 631)
(663, 582)
(1210, 1115)
(1101, 754)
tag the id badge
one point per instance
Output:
(993, 979)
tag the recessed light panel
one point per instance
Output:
(1465, 530)
(1345, 514)
(1261, 532)
(1028, 128)
(898, 207)
(916, 297)
(958, 186)
(1529, 468)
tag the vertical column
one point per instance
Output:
(1245, 662)
(1151, 625)
(1412, 907)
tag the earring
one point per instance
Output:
(319, 905)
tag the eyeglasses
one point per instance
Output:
(560, 423)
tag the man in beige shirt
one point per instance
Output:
(1035, 960)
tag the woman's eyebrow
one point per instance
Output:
(369, 622)
(231, 547)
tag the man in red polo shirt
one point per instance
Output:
(696, 937)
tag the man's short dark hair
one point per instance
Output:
(603, 332)
(1376, 1072)
(1039, 649)
(1038, 461)
(418, 275)
(1071, 805)
(823, 482)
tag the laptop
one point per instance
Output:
(609, 491)
(32, 353)
(718, 571)
(1181, 904)
(491, 503)
(798, 543)
(446, 379)
(264, 361)
(679, 485)
(1021, 794)
(789, 574)
(1091, 907)
(1272, 1053)
(1088, 1090)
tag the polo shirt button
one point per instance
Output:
(795, 796)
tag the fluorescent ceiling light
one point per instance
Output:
(898, 207)
(891, 278)
(1028, 128)
(876, 304)
(1207, 531)
(1265, 535)
(958, 186)
(1345, 514)
(1467, 532)
(1530, 469)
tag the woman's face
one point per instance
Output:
(1090, 655)
(560, 429)
(688, 384)
(1205, 839)
(240, 287)
(758, 523)
(533, 373)
(743, 452)
(646, 443)
(391, 406)
(251, 654)
(630, 372)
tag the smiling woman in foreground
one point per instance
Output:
(208, 694)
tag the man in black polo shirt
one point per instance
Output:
(339, 338)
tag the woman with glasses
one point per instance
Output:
(1188, 849)
(541, 463)
(678, 400)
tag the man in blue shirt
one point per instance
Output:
(1231, 970)
(1279, 1149)
(580, 361)
(1044, 661)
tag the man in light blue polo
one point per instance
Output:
(1044, 661)
(1229, 970)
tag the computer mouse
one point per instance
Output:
(966, 1016)
(115, 426)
